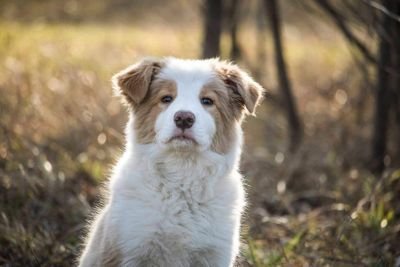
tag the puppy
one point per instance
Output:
(176, 195)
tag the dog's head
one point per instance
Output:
(187, 104)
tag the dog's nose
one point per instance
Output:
(184, 119)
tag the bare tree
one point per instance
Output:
(212, 28)
(233, 18)
(381, 102)
(396, 72)
(340, 22)
(388, 82)
(385, 24)
(261, 42)
(294, 124)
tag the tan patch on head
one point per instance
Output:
(225, 111)
(133, 82)
(233, 92)
(247, 91)
(147, 112)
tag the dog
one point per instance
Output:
(176, 195)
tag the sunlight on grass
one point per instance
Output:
(260, 255)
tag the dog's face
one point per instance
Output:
(187, 104)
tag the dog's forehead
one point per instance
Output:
(189, 73)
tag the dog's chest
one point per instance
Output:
(189, 184)
(183, 202)
(186, 199)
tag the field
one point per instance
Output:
(61, 129)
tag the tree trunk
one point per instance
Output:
(261, 42)
(233, 21)
(295, 129)
(212, 28)
(382, 98)
(396, 79)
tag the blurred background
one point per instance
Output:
(321, 159)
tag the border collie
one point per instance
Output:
(176, 195)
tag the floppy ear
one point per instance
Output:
(249, 91)
(134, 81)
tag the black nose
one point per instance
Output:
(184, 119)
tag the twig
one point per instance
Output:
(334, 14)
(383, 9)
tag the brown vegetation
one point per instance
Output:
(61, 128)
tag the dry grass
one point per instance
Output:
(60, 129)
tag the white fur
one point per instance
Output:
(190, 76)
(171, 204)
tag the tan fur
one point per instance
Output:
(225, 112)
(134, 82)
(146, 113)
(241, 84)
(112, 258)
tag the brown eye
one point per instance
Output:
(206, 101)
(167, 99)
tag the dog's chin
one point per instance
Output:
(182, 143)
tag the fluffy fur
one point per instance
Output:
(176, 197)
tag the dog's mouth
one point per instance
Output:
(183, 138)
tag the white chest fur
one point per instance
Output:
(179, 206)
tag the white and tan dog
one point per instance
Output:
(176, 196)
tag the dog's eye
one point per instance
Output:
(167, 99)
(206, 101)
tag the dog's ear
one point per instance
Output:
(134, 81)
(250, 92)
